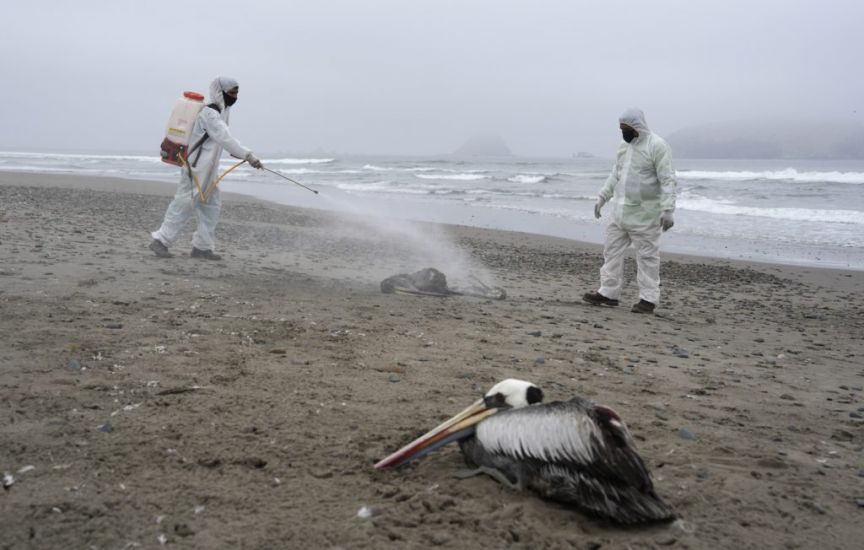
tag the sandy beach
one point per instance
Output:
(242, 403)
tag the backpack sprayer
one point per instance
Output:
(175, 147)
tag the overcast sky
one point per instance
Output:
(418, 77)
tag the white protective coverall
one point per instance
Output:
(206, 169)
(640, 189)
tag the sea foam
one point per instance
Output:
(298, 161)
(789, 174)
(79, 156)
(796, 214)
(460, 177)
(528, 178)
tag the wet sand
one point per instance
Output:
(242, 403)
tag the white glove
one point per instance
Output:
(600, 202)
(667, 220)
(253, 160)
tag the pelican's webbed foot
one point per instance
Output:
(494, 474)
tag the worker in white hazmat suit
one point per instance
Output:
(210, 135)
(641, 191)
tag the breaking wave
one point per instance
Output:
(77, 156)
(376, 168)
(796, 214)
(460, 177)
(381, 187)
(528, 178)
(299, 161)
(789, 174)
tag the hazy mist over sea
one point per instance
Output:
(548, 77)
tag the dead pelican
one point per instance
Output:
(431, 282)
(569, 451)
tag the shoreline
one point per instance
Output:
(154, 187)
(242, 403)
(690, 238)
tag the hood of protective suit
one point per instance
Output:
(219, 85)
(635, 118)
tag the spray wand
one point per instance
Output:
(289, 179)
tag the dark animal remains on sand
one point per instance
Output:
(431, 282)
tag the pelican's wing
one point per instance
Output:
(549, 432)
(573, 452)
(574, 433)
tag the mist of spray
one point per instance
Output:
(407, 246)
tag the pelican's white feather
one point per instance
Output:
(542, 432)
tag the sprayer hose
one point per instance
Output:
(202, 195)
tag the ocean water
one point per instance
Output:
(788, 211)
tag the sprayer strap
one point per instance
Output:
(197, 146)
(201, 141)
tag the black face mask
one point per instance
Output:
(629, 134)
(229, 100)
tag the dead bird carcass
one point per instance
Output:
(431, 282)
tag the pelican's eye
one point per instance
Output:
(496, 401)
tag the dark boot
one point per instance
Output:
(643, 307)
(597, 299)
(204, 254)
(160, 249)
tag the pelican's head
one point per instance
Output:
(512, 394)
(509, 394)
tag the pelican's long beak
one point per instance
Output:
(458, 427)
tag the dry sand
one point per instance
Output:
(248, 399)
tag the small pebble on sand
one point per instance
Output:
(684, 433)
(680, 352)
